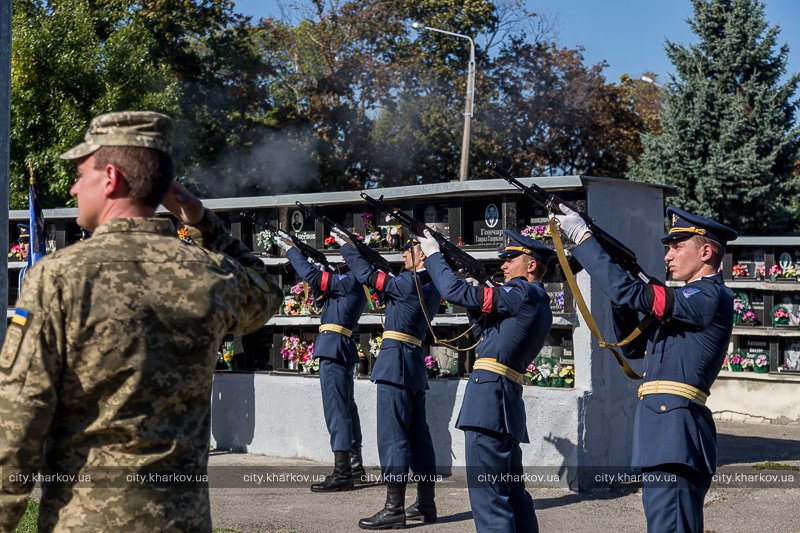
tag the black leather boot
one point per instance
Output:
(340, 479)
(357, 467)
(393, 515)
(425, 507)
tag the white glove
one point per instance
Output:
(472, 281)
(428, 244)
(283, 245)
(316, 265)
(339, 237)
(572, 226)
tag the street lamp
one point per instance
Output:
(462, 176)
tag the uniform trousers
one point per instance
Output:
(496, 484)
(339, 404)
(404, 439)
(672, 496)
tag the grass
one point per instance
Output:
(29, 519)
(771, 465)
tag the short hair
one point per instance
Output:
(147, 171)
(540, 270)
(717, 251)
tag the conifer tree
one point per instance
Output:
(731, 142)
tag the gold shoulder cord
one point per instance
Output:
(587, 316)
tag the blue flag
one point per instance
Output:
(37, 249)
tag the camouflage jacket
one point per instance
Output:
(106, 373)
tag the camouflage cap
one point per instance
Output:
(147, 129)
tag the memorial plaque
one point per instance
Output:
(302, 227)
(435, 216)
(790, 355)
(487, 225)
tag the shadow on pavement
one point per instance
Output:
(735, 449)
(586, 495)
(458, 517)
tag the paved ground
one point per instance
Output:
(743, 508)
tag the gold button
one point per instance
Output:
(663, 407)
(644, 374)
(476, 380)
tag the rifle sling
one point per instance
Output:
(584, 310)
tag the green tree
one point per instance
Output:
(730, 141)
(62, 74)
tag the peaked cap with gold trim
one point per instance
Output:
(519, 244)
(685, 224)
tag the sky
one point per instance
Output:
(628, 34)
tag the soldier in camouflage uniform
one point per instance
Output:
(107, 365)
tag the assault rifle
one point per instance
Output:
(621, 254)
(311, 253)
(370, 255)
(457, 258)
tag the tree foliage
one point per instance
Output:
(347, 95)
(730, 142)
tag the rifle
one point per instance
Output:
(371, 256)
(621, 254)
(457, 258)
(308, 251)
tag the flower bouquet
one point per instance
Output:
(432, 365)
(183, 234)
(375, 345)
(774, 272)
(761, 363)
(539, 233)
(531, 373)
(265, 240)
(330, 243)
(306, 359)
(735, 361)
(780, 316)
(747, 363)
(760, 269)
(740, 271)
(227, 354)
(546, 372)
(294, 351)
(789, 273)
(15, 253)
(296, 302)
(749, 318)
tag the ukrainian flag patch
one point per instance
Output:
(20, 317)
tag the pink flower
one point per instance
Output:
(775, 270)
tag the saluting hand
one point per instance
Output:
(428, 244)
(572, 225)
(183, 204)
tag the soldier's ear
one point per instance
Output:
(115, 184)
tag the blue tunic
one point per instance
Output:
(399, 362)
(344, 301)
(686, 344)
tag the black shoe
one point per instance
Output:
(341, 478)
(425, 507)
(393, 515)
(357, 467)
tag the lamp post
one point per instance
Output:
(463, 169)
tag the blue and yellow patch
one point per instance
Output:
(20, 316)
(14, 336)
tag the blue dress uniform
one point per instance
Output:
(674, 433)
(404, 439)
(344, 301)
(512, 323)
